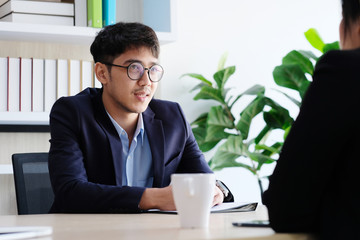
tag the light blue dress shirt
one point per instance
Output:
(136, 161)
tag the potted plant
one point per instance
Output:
(219, 128)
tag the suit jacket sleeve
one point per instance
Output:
(308, 182)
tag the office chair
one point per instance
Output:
(34, 194)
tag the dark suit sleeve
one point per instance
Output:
(304, 176)
(74, 191)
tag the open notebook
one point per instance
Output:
(24, 232)
(222, 208)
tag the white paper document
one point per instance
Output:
(222, 208)
(24, 232)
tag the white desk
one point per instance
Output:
(147, 226)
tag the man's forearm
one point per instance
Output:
(158, 198)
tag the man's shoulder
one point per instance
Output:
(82, 97)
(163, 106)
(83, 100)
(340, 58)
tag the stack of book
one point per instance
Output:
(99, 12)
(84, 13)
(91, 13)
(39, 12)
(33, 85)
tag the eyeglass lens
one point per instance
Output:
(136, 71)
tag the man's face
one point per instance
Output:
(122, 95)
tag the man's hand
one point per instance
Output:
(158, 198)
(218, 196)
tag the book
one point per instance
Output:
(94, 13)
(74, 78)
(62, 78)
(37, 7)
(80, 13)
(50, 84)
(38, 19)
(25, 84)
(38, 85)
(3, 83)
(13, 85)
(86, 74)
(109, 12)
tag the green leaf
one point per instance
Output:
(269, 151)
(331, 46)
(227, 154)
(261, 158)
(263, 133)
(308, 54)
(208, 92)
(222, 76)
(218, 117)
(199, 77)
(199, 86)
(201, 120)
(296, 58)
(254, 90)
(222, 61)
(217, 122)
(247, 115)
(314, 39)
(275, 119)
(200, 134)
(287, 130)
(291, 76)
(296, 102)
(278, 116)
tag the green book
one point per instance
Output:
(94, 13)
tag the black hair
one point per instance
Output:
(350, 12)
(113, 40)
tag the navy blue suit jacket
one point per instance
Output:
(86, 152)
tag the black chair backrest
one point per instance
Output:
(34, 194)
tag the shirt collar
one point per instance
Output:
(139, 127)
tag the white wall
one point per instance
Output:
(256, 34)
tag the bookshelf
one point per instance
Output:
(58, 34)
(159, 14)
(46, 33)
(163, 21)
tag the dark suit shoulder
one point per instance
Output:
(81, 100)
(164, 108)
(167, 111)
(338, 70)
(340, 59)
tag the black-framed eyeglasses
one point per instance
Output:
(136, 70)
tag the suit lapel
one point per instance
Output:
(155, 133)
(115, 144)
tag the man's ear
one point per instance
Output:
(101, 72)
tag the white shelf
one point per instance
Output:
(46, 33)
(24, 118)
(58, 34)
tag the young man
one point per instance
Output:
(114, 149)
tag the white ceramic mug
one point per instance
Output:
(193, 196)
